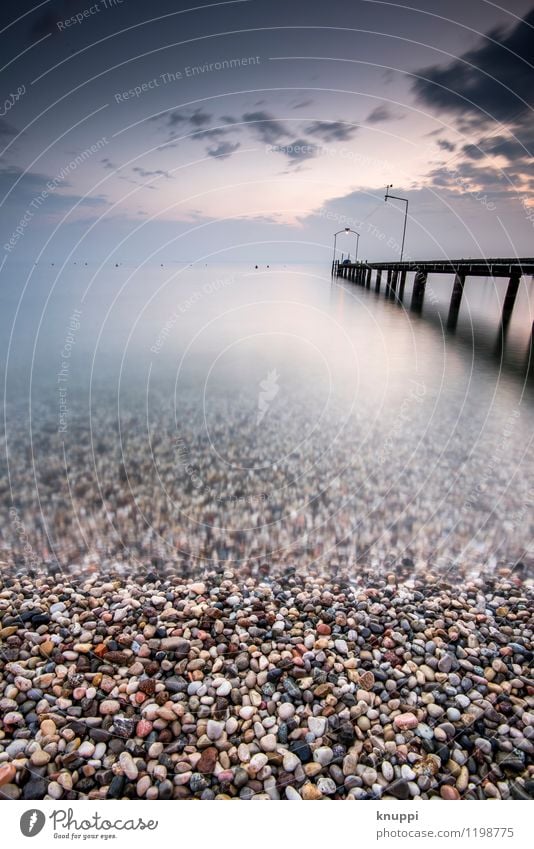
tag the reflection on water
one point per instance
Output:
(231, 412)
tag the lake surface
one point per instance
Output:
(264, 413)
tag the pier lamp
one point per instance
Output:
(346, 230)
(404, 200)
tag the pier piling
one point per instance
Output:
(418, 293)
(456, 300)
(378, 279)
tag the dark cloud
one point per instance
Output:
(144, 173)
(330, 131)
(108, 164)
(493, 78)
(215, 133)
(199, 118)
(194, 120)
(268, 129)
(446, 145)
(6, 129)
(383, 113)
(465, 176)
(223, 150)
(472, 151)
(297, 151)
(302, 104)
(31, 190)
(515, 150)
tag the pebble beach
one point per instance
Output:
(266, 683)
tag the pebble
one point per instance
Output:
(271, 682)
(323, 755)
(128, 766)
(214, 729)
(406, 721)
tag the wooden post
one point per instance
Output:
(511, 292)
(402, 284)
(378, 279)
(456, 300)
(418, 293)
(368, 278)
(388, 283)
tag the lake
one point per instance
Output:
(266, 413)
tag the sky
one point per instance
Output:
(253, 130)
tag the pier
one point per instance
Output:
(394, 276)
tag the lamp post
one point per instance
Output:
(404, 200)
(346, 230)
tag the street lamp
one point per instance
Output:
(404, 200)
(346, 230)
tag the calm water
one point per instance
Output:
(217, 384)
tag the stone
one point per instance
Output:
(109, 707)
(449, 793)
(317, 725)
(268, 742)
(387, 771)
(323, 755)
(310, 792)
(40, 757)
(214, 729)
(207, 761)
(7, 774)
(326, 786)
(128, 766)
(405, 721)
(290, 762)
(86, 750)
(399, 790)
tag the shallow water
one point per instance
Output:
(304, 414)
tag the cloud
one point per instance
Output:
(265, 126)
(7, 130)
(171, 120)
(302, 104)
(330, 131)
(461, 177)
(144, 173)
(223, 150)
(32, 188)
(446, 145)
(383, 113)
(297, 151)
(492, 78)
(199, 118)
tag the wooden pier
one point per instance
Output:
(395, 274)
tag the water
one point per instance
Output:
(263, 413)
